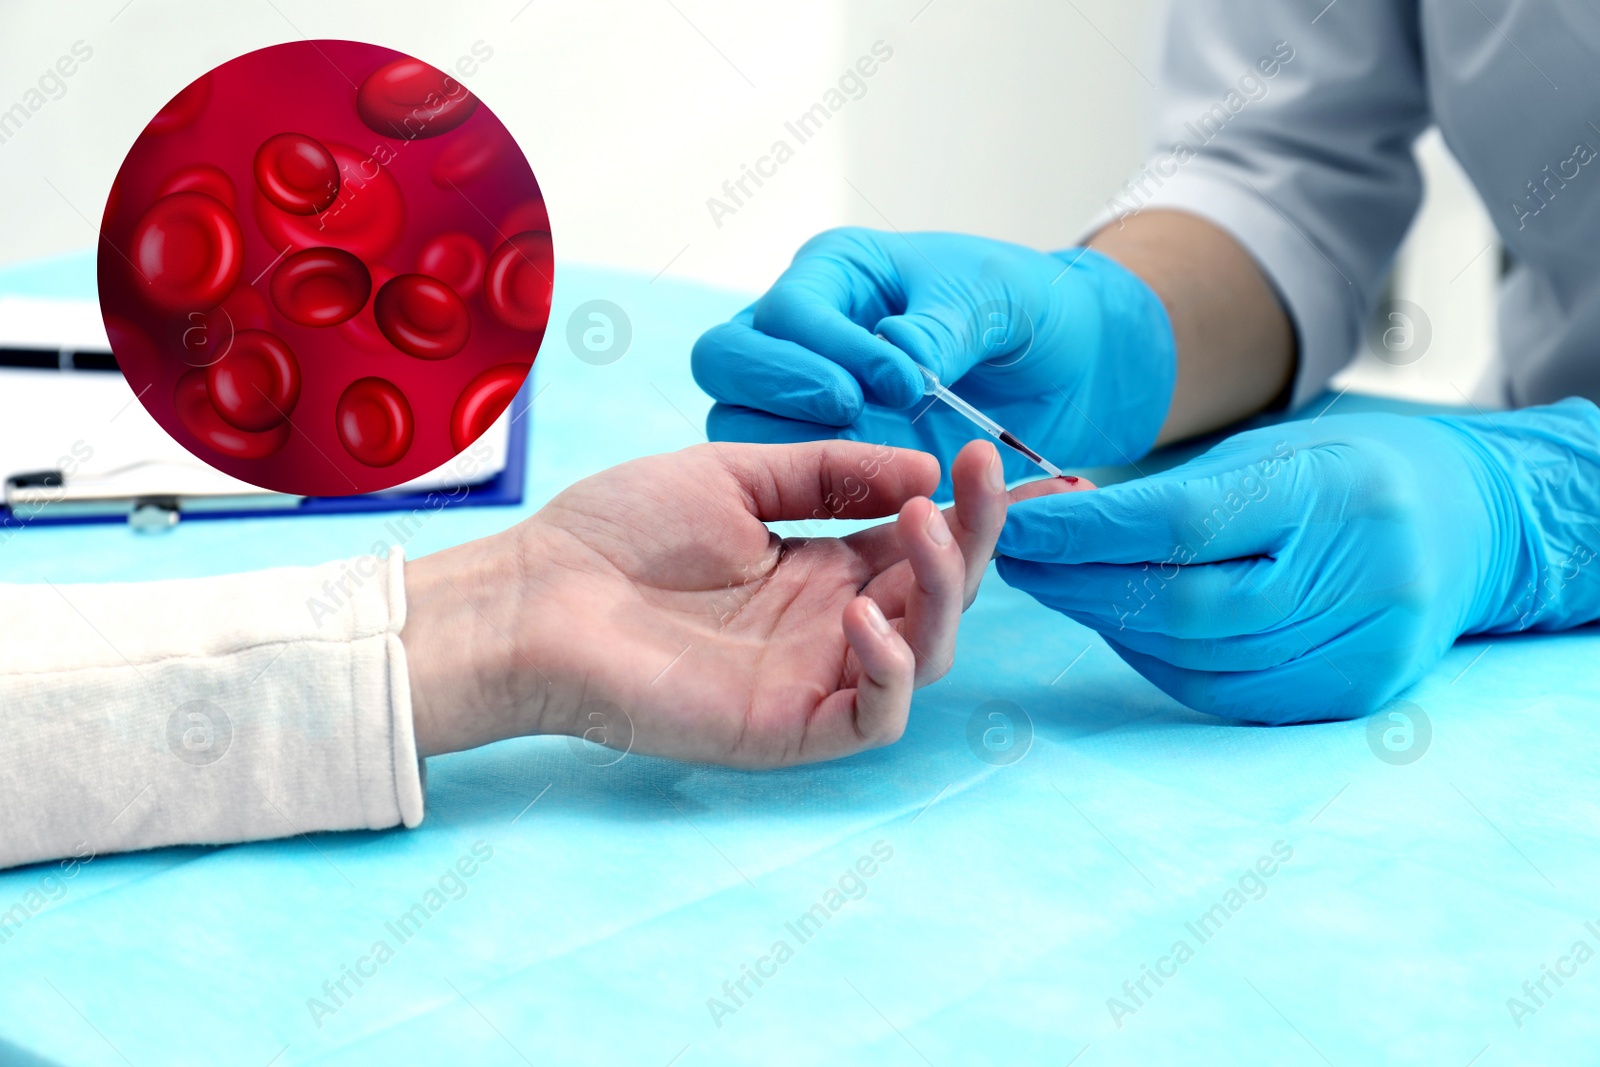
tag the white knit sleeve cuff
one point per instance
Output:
(210, 710)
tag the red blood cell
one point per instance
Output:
(374, 422)
(320, 286)
(297, 173)
(205, 336)
(482, 401)
(366, 220)
(194, 409)
(468, 155)
(422, 316)
(407, 99)
(455, 259)
(187, 251)
(361, 330)
(256, 384)
(247, 308)
(202, 178)
(517, 283)
(183, 108)
(528, 215)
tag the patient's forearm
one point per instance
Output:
(1236, 346)
(207, 710)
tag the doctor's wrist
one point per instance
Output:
(1541, 473)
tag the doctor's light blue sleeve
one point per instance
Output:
(1292, 131)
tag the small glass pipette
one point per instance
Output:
(931, 387)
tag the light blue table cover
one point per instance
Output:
(1015, 902)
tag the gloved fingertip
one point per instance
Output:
(894, 381)
(1037, 528)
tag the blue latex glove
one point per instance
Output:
(1312, 570)
(1071, 352)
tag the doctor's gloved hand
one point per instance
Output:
(1313, 570)
(1070, 351)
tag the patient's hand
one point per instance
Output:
(655, 588)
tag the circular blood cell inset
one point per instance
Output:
(193, 405)
(455, 259)
(407, 99)
(517, 283)
(296, 173)
(320, 286)
(184, 108)
(422, 316)
(482, 401)
(263, 249)
(467, 156)
(188, 251)
(256, 384)
(202, 178)
(374, 422)
(365, 220)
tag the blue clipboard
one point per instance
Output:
(72, 276)
(504, 489)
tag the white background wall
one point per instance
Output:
(1014, 120)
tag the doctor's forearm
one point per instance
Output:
(1235, 343)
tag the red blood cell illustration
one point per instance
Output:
(375, 422)
(518, 280)
(202, 178)
(361, 330)
(205, 336)
(365, 220)
(184, 108)
(195, 413)
(455, 259)
(188, 251)
(467, 156)
(320, 286)
(529, 215)
(408, 99)
(296, 266)
(422, 316)
(482, 401)
(256, 385)
(296, 173)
